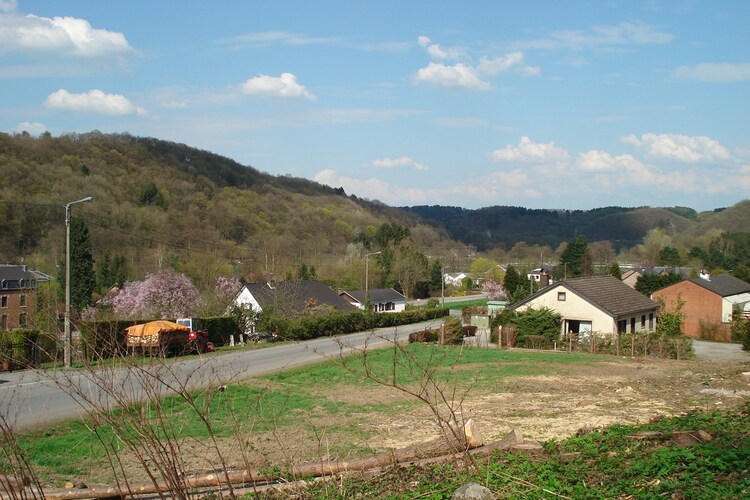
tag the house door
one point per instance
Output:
(576, 326)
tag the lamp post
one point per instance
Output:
(442, 285)
(367, 276)
(68, 340)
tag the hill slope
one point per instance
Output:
(490, 227)
(157, 201)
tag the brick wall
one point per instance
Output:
(701, 306)
(12, 311)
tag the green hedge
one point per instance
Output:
(220, 328)
(18, 346)
(310, 327)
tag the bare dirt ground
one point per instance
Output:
(575, 397)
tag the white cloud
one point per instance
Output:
(437, 52)
(599, 38)
(278, 37)
(466, 75)
(372, 188)
(282, 86)
(401, 162)
(714, 72)
(66, 36)
(625, 168)
(33, 128)
(688, 149)
(8, 5)
(530, 152)
(458, 75)
(497, 65)
(174, 104)
(93, 101)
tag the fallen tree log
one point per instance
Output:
(444, 448)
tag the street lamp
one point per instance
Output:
(442, 285)
(367, 276)
(68, 340)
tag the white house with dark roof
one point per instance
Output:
(381, 299)
(290, 298)
(601, 304)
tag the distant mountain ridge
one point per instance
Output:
(490, 227)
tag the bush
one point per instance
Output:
(18, 346)
(424, 336)
(741, 332)
(470, 331)
(453, 332)
(535, 342)
(537, 322)
(710, 330)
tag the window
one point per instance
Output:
(22, 300)
(643, 323)
(4, 301)
(632, 325)
(651, 321)
(22, 320)
(561, 296)
(4, 322)
(622, 326)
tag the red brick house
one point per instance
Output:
(17, 296)
(708, 304)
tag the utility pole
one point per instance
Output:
(68, 341)
(367, 277)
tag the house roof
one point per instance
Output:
(723, 285)
(606, 292)
(377, 295)
(293, 297)
(629, 273)
(682, 271)
(15, 277)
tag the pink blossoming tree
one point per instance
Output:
(166, 294)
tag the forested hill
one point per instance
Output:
(491, 227)
(156, 202)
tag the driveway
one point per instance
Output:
(719, 352)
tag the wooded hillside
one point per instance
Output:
(491, 227)
(157, 202)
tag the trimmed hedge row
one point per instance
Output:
(311, 327)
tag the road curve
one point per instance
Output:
(34, 398)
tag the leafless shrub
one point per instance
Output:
(428, 381)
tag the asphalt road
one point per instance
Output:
(719, 352)
(33, 398)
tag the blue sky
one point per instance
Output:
(541, 104)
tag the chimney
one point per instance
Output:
(544, 279)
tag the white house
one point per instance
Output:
(289, 298)
(602, 304)
(454, 279)
(381, 299)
